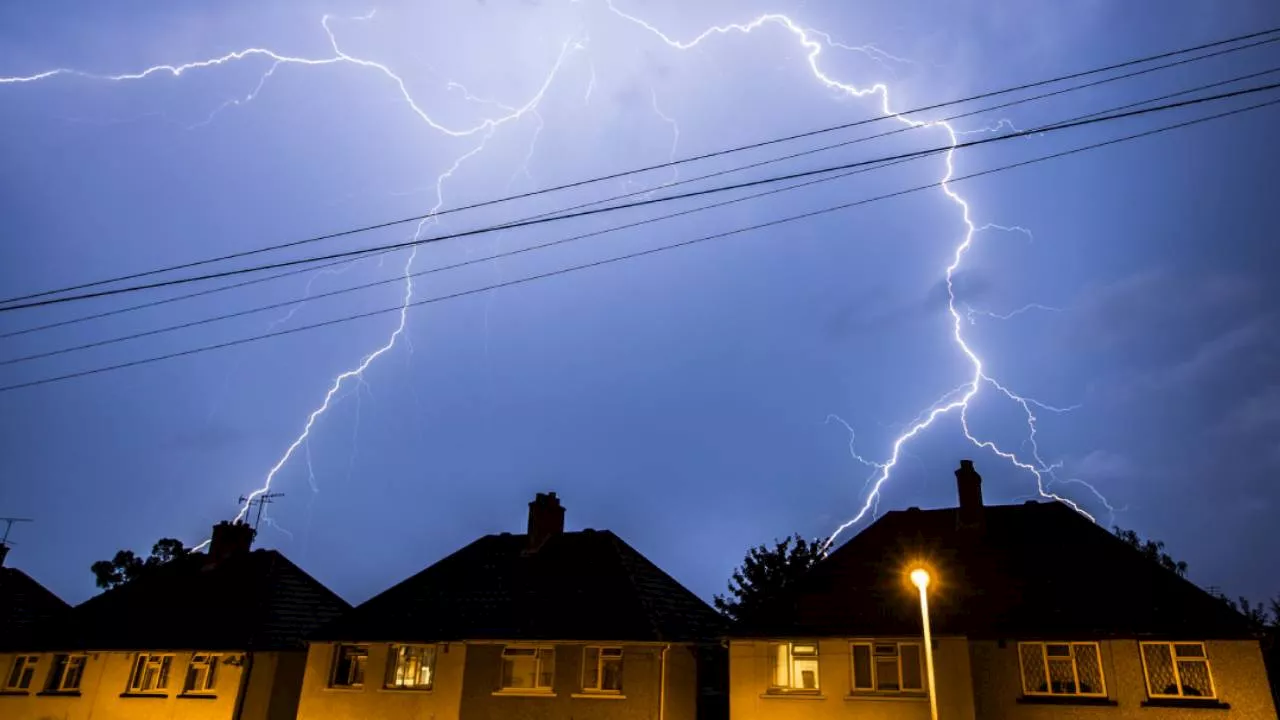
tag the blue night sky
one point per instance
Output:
(684, 399)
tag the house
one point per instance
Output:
(1036, 612)
(217, 636)
(24, 605)
(547, 624)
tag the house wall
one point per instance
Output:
(318, 701)
(106, 678)
(641, 675)
(1238, 672)
(749, 675)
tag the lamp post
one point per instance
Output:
(920, 578)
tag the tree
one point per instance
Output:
(1153, 549)
(126, 566)
(765, 572)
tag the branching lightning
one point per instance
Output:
(952, 403)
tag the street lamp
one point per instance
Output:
(920, 578)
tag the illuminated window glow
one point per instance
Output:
(411, 667)
(794, 667)
(1177, 670)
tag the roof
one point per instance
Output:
(250, 601)
(24, 604)
(1037, 570)
(587, 585)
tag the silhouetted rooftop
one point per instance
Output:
(24, 605)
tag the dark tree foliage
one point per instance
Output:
(1153, 549)
(126, 566)
(765, 572)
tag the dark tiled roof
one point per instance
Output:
(251, 601)
(587, 585)
(1034, 570)
(24, 605)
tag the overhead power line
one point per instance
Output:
(613, 208)
(631, 256)
(1109, 113)
(686, 181)
(620, 174)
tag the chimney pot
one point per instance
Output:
(230, 539)
(969, 490)
(546, 519)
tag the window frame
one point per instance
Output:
(539, 653)
(1171, 646)
(349, 684)
(62, 662)
(603, 653)
(870, 644)
(393, 665)
(209, 661)
(1075, 668)
(790, 646)
(23, 665)
(163, 663)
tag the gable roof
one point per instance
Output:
(24, 605)
(250, 601)
(1037, 570)
(588, 585)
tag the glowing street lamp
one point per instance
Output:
(920, 578)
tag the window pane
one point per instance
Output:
(806, 674)
(781, 660)
(804, 649)
(1188, 650)
(1089, 670)
(911, 673)
(1194, 675)
(1057, 650)
(546, 667)
(591, 668)
(887, 674)
(1062, 677)
(862, 667)
(1160, 679)
(611, 674)
(1033, 672)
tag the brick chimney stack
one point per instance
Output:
(230, 539)
(546, 519)
(969, 489)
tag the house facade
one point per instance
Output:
(548, 624)
(1036, 612)
(216, 636)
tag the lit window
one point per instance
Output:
(150, 673)
(602, 669)
(202, 673)
(888, 667)
(1050, 668)
(411, 667)
(528, 668)
(795, 667)
(348, 666)
(1177, 670)
(20, 674)
(66, 673)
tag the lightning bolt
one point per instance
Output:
(954, 402)
(483, 130)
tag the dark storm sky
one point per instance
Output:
(681, 399)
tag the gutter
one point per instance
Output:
(662, 688)
(246, 671)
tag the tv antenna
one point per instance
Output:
(8, 525)
(262, 501)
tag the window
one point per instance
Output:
(202, 673)
(348, 666)
(528, 668)
(66, 673)
(795, 667)
(1177, 670)
(602, 669)
(888, 667)
(411, 667)
(1052, 668)
(150, 673)
(20, 674)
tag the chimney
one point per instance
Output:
(4, 551)
(546, 519)
(228, 540)
(969, 488)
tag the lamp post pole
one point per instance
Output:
(920, 578)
